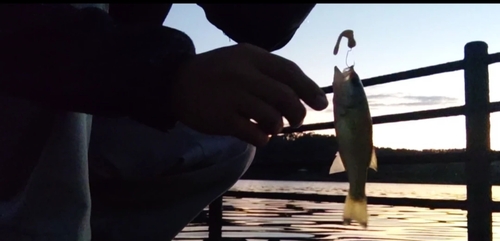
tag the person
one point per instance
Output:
(102, 99)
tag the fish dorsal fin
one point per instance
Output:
(373, 160)
(337, 165)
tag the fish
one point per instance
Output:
(356, 153)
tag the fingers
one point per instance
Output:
(282, 98)
(288, 73)
(268, 119)
(249, 132)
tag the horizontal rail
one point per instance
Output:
(391, 201)
(409, 116)
(409, 74)
(494, 106)
(494, 58)
(417, 73)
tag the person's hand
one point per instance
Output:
(220, 91)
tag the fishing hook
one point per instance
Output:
(346, 57)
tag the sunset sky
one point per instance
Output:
(390, 38)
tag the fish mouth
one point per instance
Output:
(349, 72)
(342, 75)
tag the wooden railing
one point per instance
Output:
(477, 156)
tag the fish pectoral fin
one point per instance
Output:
(373, 160)
(337, 165)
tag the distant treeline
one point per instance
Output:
(308, 156)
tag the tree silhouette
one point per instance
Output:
(308, 156)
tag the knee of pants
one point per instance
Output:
(236, 159)
(136, 151)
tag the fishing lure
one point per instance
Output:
(351, 43)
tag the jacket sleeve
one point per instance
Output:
(80, 60)
(269, 26)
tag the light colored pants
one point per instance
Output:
(205, 167)
(187, 169)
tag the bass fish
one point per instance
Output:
(353, 127)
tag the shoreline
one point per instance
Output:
(342, 181)
(342, 178)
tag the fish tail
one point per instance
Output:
(355, 209)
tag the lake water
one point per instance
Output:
(265, 219)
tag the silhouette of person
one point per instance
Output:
(102, 99)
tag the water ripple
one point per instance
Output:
(265, 219)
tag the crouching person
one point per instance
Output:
(105, 86)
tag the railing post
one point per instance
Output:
(477, 125)
(215, 220)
